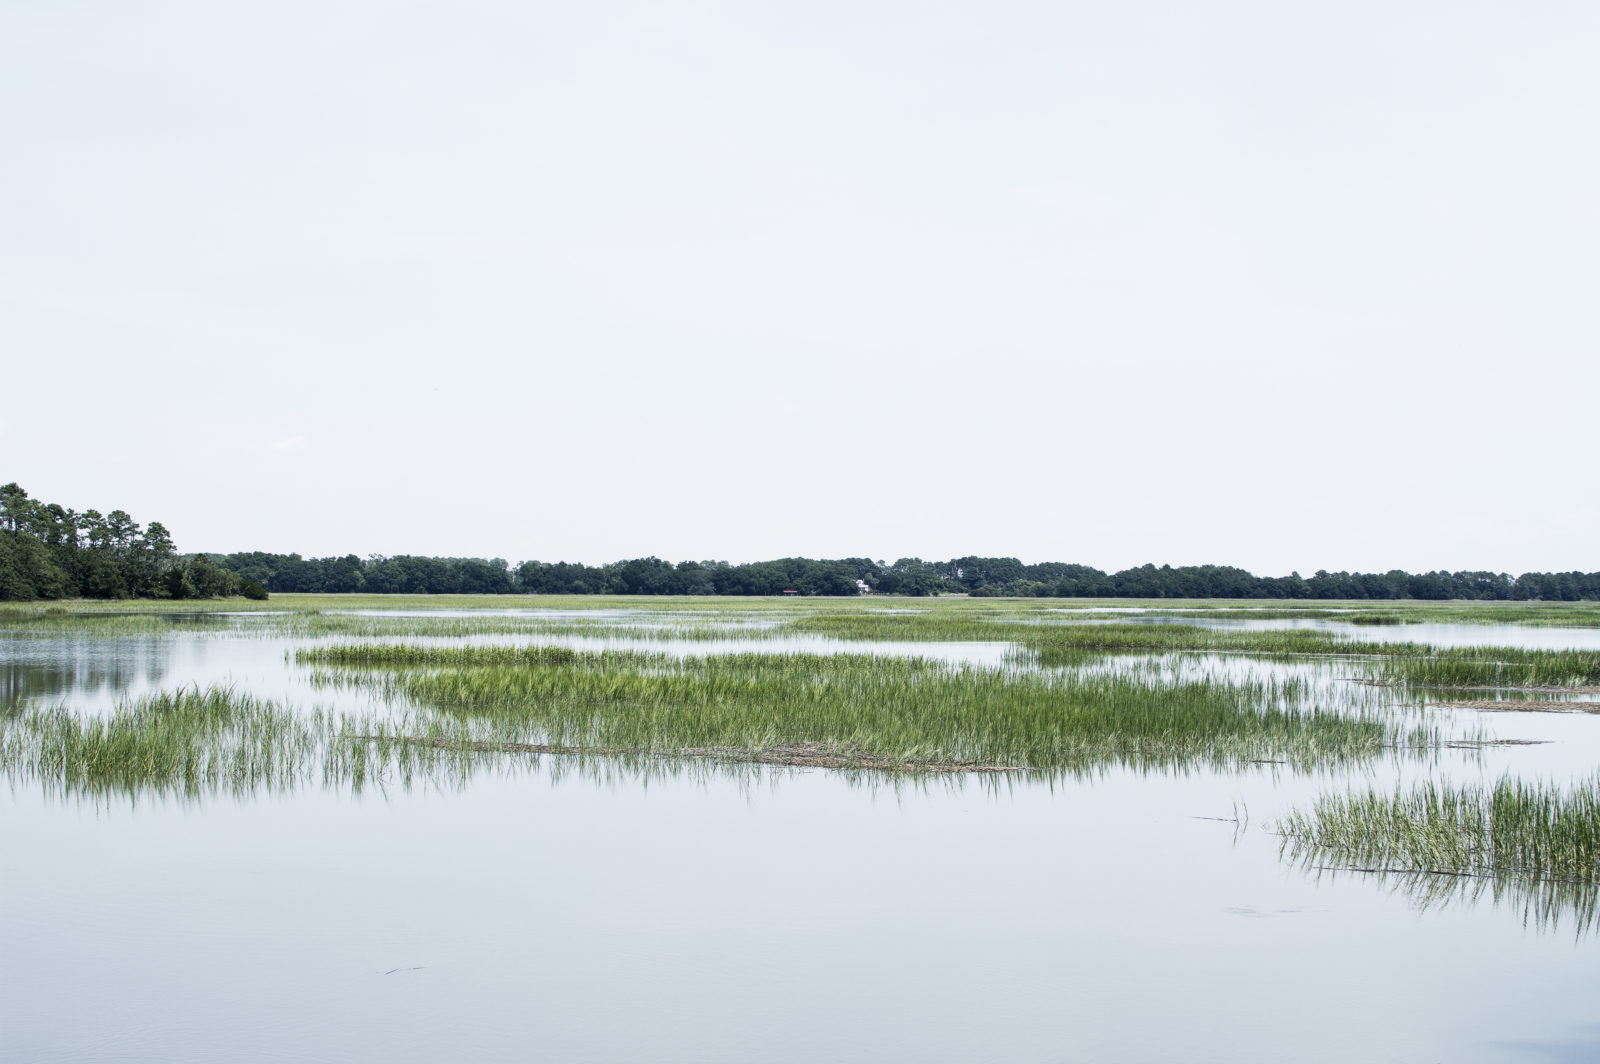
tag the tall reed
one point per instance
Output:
(183, 742)
(911, 711)
(1512, 827)
(1495, 667)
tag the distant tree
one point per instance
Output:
(474, 576)
(696, 578)
(209, 580)
(973, 571)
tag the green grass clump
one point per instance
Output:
(1064, 644)
(28, 620)
(1053, 636)
(1174, 637)
(1494, 667)
(654, 627)
(186, 742)
(1544, 614)
(407, 655)
(1512, 828)
(906, 711)
(880, 623)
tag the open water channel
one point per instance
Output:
(539, 911)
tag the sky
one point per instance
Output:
(1282, 286)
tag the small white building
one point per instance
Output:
(861, 586)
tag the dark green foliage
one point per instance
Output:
(210, 581)
(292, 574)
(198, 577)
(50, 552)
(29, 570)
(981, 577)
(177, 583)
(400, 575)
(1395, 584)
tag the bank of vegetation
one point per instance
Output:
(48, 551)
(982, 577)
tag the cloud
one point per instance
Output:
(293, 443)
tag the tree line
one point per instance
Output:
(50, 552)
(410, 574)
(414, 575)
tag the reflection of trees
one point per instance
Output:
(78, 669)
(1548, 905)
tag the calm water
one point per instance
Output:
(782, 915)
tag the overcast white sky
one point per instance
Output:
(1285, 286)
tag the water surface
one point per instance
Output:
(565, 913)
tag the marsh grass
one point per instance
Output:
(1378, 611)
(1087, 707)
(1542, 614)
(1068, 635)
(907, 711)
(1171, 637)
(877, 623)
(28, 620)
(644, 628)
(186, 742)
(198, 743)
(1064, 645)
(1586, 614)
(310, 624)
(1493, 667)
(411, 655)
(669, 617)
(1535, 842)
